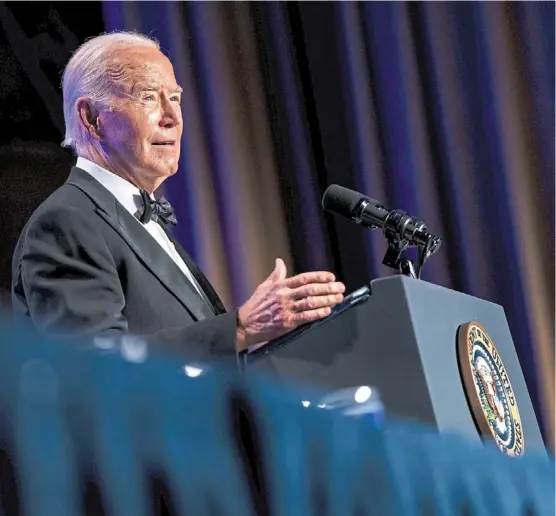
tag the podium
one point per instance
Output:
(437, 356)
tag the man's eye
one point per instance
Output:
(149, 97)
(176, 99)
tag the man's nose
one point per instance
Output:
(171, 114)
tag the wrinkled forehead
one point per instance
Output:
(134, 68)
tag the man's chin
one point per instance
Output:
(166, 169)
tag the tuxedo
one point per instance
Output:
(84, 266)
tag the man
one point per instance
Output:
(96, 257)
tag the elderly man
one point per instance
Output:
(96, 258)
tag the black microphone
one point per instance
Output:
(396, 224)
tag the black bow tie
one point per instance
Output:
(155, 210)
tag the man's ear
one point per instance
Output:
(89, 117)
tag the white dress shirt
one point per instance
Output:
(129, 196)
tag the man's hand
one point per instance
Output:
(279, 304)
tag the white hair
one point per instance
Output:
(86, 75)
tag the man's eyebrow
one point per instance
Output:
(145, 86)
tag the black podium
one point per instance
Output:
(436, 355)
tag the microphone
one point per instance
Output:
(368, 212)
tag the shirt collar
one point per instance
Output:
(127, 194)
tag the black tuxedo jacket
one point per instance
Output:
(84, 266)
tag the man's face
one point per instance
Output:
(141, 131)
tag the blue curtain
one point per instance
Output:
(442, 109)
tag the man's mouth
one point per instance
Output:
(165, 142)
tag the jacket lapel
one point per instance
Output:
(147, 250)
(204, 283)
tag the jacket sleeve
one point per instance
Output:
(67, 283)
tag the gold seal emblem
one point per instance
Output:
(488, 389)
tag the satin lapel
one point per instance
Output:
(202, 280)
(160, 264)
(142, 244)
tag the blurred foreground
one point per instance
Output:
(113, 429)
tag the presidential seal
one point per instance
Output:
(488, 389)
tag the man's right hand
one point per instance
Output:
(280, 304)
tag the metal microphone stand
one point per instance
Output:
(399, 239)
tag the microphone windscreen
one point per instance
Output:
(341, 201)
